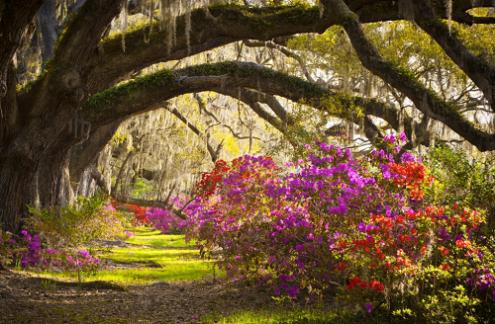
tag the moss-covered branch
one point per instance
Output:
(221, 25)
(147, 92)
(480, 71)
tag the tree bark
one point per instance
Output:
(55, 188)
(16, 176)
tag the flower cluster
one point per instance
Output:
(32, 255)
(330, 220)
(164, 219)
(210, 180)
(139, 213)
(26, 249)
(483, 280)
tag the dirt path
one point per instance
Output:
(184, 293)
(35, 300)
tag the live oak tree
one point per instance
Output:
(53, 128)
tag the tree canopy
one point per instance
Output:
(340, 57)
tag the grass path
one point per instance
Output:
(150, 278)
(148, 257)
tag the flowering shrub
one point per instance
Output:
(359, 225)
(32, 255)
(80, 261)
(165, 220)
(26, 250)
(139, 213)
(210, 180)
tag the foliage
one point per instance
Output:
(141, 187)
(359, 226)
(26, 250)
(463, 178)
(163, 219)
(89, 219)
(6, 248)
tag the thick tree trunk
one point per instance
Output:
(55, 188)
(16, 176)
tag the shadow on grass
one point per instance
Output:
(48, 283)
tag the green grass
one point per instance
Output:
(287, 315)
(153, 257)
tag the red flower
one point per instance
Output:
(462, 244)
(356, 281)
(377, 286)
(411, 175)
(443, 250)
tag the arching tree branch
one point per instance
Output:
(424, 99)
(481, 72)
(221, 25)
(143, 94)
(284, 50)
(214, 152)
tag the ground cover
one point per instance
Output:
(150, 278)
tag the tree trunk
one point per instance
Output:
(55, 188)
(16, 176)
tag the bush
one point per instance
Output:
(26, 250)
(462, 178)
(163, 219)
(361, 227)
(89, 219)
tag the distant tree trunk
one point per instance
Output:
(47, 19)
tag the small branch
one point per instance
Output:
(284, 50)
(214, 152)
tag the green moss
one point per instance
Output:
(295, 85)
(107, 97)
(263, 19)
(342, 105)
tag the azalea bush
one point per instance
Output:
(464, 178)
(164, 219)
(27, 251)
(80, 261)
(363, 227)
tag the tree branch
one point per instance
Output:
(476, 68)
(214, 153)
(284, 50)
(424, 99)
(147, 93)
(203, 108)
(221, 25)
(85, 30)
